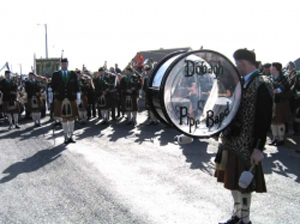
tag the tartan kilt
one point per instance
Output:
(16, 110)
(282, 110)
(57, 108)
(130, 102)
(230, 170)
(104, 101)
(35, 110)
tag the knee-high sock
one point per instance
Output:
(237, 207)
(274, 130)
(85, 115)
(16, 117)
(134, 114)
(81, 115)
(65, 128)
(128, 115)
(38, 117)
(246, 202)
(104, 114)
(33, 115)
(71, 128)
(281, 131)
(152, 116)
(9, 117)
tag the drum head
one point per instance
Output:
(201, 93)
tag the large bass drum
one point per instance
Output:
(197, 92)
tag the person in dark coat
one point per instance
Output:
(102, 88)
(281, 91)
(152, 119)
(242, 142)
(130, 86)
(34, 101)
(65, 87)
(11, 107)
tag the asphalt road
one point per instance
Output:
(119, 174)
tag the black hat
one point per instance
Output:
(129, 69)
(267, 65)
(101, 69)
(292, 64)
(63, 60)
(277, 65)
(31, 73)
(244, 54)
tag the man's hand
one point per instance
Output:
(256, 156)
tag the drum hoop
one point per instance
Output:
(167, 73)
(151, 106)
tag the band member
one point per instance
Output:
(242, 142)
(266, 69)
(50, 98)
(130, 86)
(34, 101)
(65, 87)
(102, 87)
(294, 100)
(120, 106)
(113, 82)
(281, 91)
(152, 119)
(90, 91)
(10, 105)
(83, 102)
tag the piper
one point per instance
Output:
(65, 87)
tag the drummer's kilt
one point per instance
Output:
(229, 170)
(104, 102)
(57, 108)
(31, 108)
(12, 107)
(130, 102)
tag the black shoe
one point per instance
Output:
(151, 123)
(17, 126)
(129, 122)
(279, 143)
(273, 142)
(71, 140)
(241, 222)
(66, 141)
(232, 220)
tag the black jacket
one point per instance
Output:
(7, 87)
(65, 88)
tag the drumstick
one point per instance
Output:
(252, 167)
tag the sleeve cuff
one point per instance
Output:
(259, 143)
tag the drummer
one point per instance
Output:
(243, 141)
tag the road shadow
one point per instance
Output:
(147, 133)
(33, 163)
(283, 160)
(196, 154)
(120, 130)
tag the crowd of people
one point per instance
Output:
(107, 94)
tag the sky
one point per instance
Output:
(93, 31)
